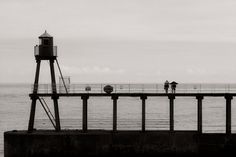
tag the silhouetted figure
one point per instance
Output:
(173, 86)
(166, 86)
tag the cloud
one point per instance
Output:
(92, 70)
(210, 20)
(196, 71)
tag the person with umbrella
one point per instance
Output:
(173, 86)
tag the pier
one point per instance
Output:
(88, 142)
(143, 96)
(142, 91)
(124, 142)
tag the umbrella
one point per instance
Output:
(172, 83)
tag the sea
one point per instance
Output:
(15, 108)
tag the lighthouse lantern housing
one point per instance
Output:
(45, 50)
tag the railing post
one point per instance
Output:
(114, 98)
(85, 112)
(143, 98)
(199, 113)
(171, 98)
(228, 113)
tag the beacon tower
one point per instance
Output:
(44, 51)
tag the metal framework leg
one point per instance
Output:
(171, 98)
(228, 113)
(85, 112)
(114, 98)
(199, 113)
(55, 96)
(143, 98)
(34, 98)
(32, 115)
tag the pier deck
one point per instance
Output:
(135, 94)
(143, 96)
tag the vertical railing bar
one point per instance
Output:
(129, 87)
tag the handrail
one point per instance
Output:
(138, 88)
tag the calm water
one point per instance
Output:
(15, 107)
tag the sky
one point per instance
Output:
(121, 41)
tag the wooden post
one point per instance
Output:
(114, 98)
(85, 112)
(228, 113)
(55, 96)
(143, 98)
(34, 98)
(171, 98)
(199, 113)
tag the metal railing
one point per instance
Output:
(36, 50)
(137, 88)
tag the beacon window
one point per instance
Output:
(46, 42)
(40, 41)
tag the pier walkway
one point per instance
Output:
(137, 88)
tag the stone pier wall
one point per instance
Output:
(94, 143)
